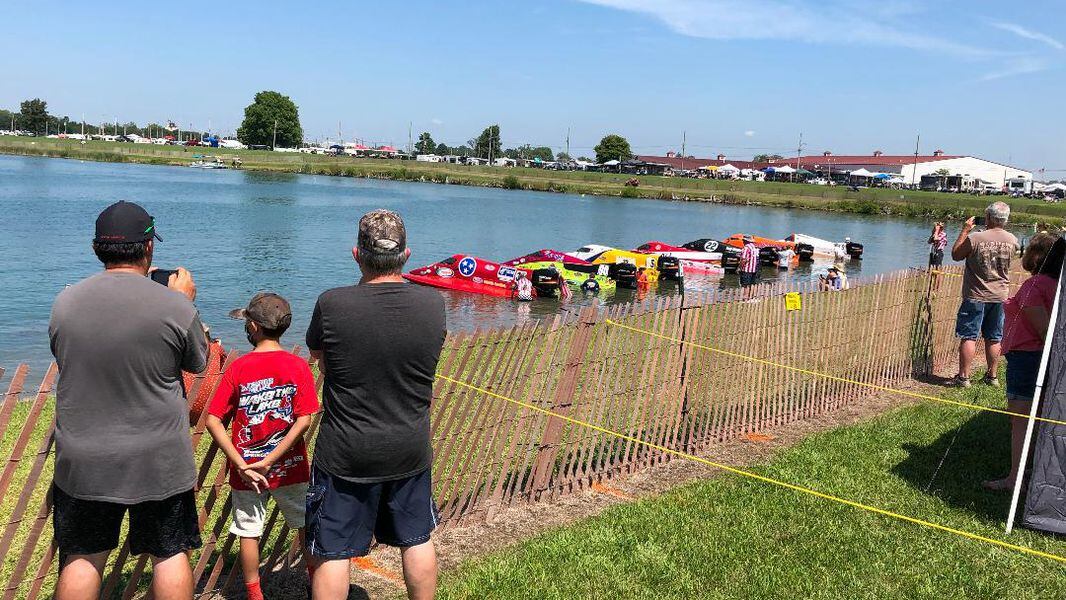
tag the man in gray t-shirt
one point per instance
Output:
(121, 342)
(985, 287)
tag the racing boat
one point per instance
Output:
(730, 255)
(574, 271)
(692, 261)
(465, 273)
(624, 264)
(769, 248)
(827, 249)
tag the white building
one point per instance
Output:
(909, 167)
(431, 158)
(968, 166)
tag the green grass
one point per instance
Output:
(882, 201)
(731, 537)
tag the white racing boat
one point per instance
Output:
(827, 249)
(203, 163)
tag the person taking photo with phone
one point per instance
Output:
(985, 287)
(121, 342)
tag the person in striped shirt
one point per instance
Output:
(749, 262)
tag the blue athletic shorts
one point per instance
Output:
(343, 517)
(747, 279)
(979, 319)
(1022, 368)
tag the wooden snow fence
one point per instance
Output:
(646, 370)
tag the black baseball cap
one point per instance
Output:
(266, 309)
(125, 222)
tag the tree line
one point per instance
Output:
(273, 119)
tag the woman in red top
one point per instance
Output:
(1026, 317)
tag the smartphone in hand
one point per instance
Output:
(162, 276)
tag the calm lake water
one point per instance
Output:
(241, 232)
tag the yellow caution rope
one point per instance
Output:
(762, 478)
(872, 386)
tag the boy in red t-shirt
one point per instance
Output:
(270, 395)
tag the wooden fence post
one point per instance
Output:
(561, 403)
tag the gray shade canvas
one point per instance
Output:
(1045, 502)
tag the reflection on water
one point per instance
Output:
(241, 232)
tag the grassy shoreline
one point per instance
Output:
(902, 203)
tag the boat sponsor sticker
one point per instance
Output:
(445, 272)
(467, 266)
(477, 280)
(490, 268)
(506, 273)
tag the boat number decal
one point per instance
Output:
(445, 272)
(506, 274)
(710, 246)
(604, 270)
(467, 266)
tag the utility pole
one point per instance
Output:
(274, 138)
(684, 135)
(568, 157)
(410, 144)
(799, 151)
(914, 167)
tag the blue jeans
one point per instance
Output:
(1023, 366)
(979, 319)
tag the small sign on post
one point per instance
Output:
(793, 301)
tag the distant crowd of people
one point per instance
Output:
(122, 340)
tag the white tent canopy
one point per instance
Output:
(728, 167)
(787, 170)
(611, 163)
(861, 173)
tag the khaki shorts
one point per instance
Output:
(250, 509)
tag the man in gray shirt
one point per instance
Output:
(121, 341)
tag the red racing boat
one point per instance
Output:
(547, 255)
(464, 273)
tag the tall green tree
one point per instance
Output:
(613, 147)
(442, 149)
(766, 157)
(33, 114)
(530, 152)
(488, 143)
(563, 157)
(425, 144)
(260, 116)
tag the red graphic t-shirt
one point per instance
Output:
(265, 392)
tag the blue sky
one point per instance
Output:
(739, 76)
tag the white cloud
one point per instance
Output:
(749, 133)
(436, 121)
(1029, 34)
(1017, 66)
(825, 22)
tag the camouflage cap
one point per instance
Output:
(267, 309)
(382, 232)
